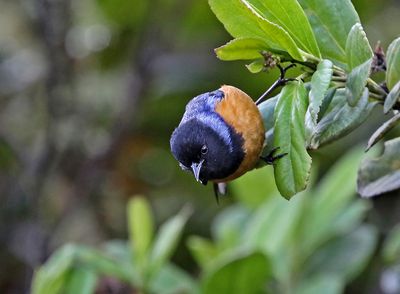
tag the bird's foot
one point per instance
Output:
(271, 158)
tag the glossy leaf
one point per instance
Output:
(320, 82)
(141, 227)
(275, 33)
(340, 118)
(167, 239)
(392, 98)
(380, 175)
(290, 16)
(242, 49)
(391, 247)
(237, 19)
(393, 64)
(243, 22)
(331, 21)
(256, 66)
(346, 256)
(359, 59)
(382, 130)
(244, 274)
(293, 170)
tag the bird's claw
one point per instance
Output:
(271, 158)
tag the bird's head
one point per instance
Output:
(205, 151)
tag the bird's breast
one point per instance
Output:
(239, 111)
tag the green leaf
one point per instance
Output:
(358, 49)
(345, 257)
(290, 16)
(326, 102)
(382, 130)
(359, 59)
(244, 274)
(331, 21)
(327, 284)
(320, 82)
(253, 189)
(391, 247)
(167, 239)
(393, 64)
(392, 98)
(380, 175)
(291, 171)
(333, 194)
(350, 217)
(243, 22)
(203, 250)
(256, 66)
(267, 109)
(120, 251)
(172, 280)
(141, 228)
(81, 281)
(242, 49)
(340, 118)
(52, 276)
(101, 263)
(356, 81)
(273, 224)
(228, 226)
(237, 19)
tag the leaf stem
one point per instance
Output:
(339, 76)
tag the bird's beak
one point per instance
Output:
(196, 167)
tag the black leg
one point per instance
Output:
(271, 158)
(279, 82)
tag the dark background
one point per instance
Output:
(90, 92)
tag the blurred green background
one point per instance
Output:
(90, 91)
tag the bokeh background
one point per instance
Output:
(90, 91)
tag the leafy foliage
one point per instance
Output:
(275, 246)
(293, 236)
(380, 175)
(291, 171)
(143, 265)
(393, 64)
(338, 94)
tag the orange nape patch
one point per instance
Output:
(240, 112)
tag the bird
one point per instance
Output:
(220, 137)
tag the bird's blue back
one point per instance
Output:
(202, 108)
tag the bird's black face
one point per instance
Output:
(200, 149)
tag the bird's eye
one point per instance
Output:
(204, 150)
